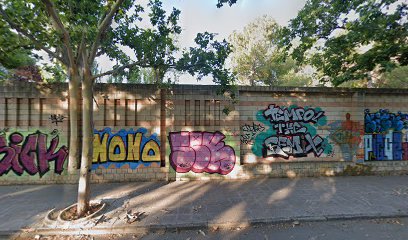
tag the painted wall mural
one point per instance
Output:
(31, 154)
(201, 152)
(125, 147)
(292, 132)
(386, 135)
(347, 135)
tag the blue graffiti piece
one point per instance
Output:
(397, 145)
(386, 124)
(379, 147)
(370, 126)
(132, 165)
(383, 121)
(398, 125)
(123, 134)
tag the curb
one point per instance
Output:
(194, 226)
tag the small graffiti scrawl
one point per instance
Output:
(201, 152)
(249, 132)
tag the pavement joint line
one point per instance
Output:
(196, 226)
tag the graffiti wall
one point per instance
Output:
(201, 152)
(125, 147)
(385, 135)
(31, 153)
(292, 132)
(195, 133)
(347, 135)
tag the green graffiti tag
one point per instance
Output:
(291, 131)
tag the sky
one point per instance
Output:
(203, 15)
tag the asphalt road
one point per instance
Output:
(372, 229)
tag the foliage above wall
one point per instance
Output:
(349, 40)
(256, 59)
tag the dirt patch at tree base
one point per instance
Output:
(70, 213)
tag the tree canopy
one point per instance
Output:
(14, 51)
(397, 78)
(256, 59)
(349, 40)
(155, 47)
(222, 2)
(77, 28)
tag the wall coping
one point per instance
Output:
(17, 86)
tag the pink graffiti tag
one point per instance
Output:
(32, 155)
(201, 152)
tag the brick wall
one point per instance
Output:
(144, 134)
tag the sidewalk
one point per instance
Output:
(205, 204)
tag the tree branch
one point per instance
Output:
(142, 64)
(81, 48)
(102, 28)
(116, 70)
(25, 33)
(60, 26)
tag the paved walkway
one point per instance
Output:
(207, 204)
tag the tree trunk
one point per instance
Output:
(163, 134)
(370, 82)
(73, 158)
(87, 145)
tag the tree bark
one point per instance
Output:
(87, 144)
(370, 82)
(163, 134)
(73, 157)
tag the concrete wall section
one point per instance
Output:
(188, 132)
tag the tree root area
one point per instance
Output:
(71, 213)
